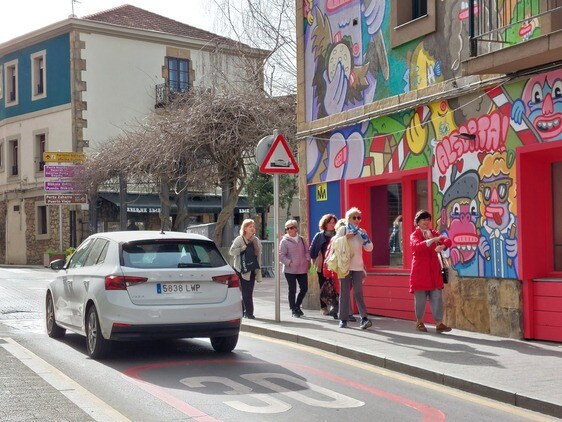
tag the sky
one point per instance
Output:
(23, 16)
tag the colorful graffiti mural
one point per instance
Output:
(470, 145)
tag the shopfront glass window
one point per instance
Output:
(387, 223)
(557, 213)
(387, 207)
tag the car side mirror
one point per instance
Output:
(57, 264)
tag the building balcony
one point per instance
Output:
(166, 92)
(507, 37)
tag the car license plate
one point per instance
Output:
(177, 288)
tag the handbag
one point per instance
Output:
(249, 259)
(319, 262)
(444, 269)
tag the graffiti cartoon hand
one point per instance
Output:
(416, 134)
(511, 247)
(484, 248)
(336, 90)
(374, 15)
(456, 256)
(517, 111)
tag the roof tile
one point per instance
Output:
(135, 17)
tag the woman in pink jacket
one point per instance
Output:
(425, 277)
(294, 254)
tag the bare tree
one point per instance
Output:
(205, 138)
(269, 25)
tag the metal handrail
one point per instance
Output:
(491, 23)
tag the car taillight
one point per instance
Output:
(230, 279)
(120, 282)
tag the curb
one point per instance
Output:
(508, 397)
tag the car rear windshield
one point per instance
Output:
(172, 254)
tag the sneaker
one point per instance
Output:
(333, 313)
(295, 313)
(343, 324)
(442, 328)
(250, 317)
(421, 327)
(351, 318)
(365, 323)
(324, 311)
(299, 310)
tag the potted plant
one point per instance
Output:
(52, 254)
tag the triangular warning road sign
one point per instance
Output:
(279, 158)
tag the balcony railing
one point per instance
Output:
(495, 24)
(166, 92)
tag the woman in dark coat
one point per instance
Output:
(426, 281)
(318, 248)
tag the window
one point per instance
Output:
(1, 155)
(178, 74)
(11, 82)
(411, 19)
(38, 75)
(1, 82)
(557, 213)
(97, 255)
(80, 255)
(182, 254)
(42, 220)
(13, 157)
(40, 148)
(389, 205)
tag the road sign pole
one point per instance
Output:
(60, 227)
(277, 271)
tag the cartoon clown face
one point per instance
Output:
(543, 99)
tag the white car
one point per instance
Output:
(130, 285)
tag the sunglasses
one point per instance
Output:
(291, 228)
(356, 217)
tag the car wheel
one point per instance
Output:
(53, 330)
(97, 346)
(224, 344)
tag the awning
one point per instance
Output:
(196, 204)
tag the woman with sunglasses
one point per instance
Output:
(359, 241)
(294, 254)
(426, 281)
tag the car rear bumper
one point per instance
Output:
(208, 329)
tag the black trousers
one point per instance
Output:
(247, 289)
(292, 280)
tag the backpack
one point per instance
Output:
(340, 257)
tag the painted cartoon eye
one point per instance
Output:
(557, 89)
(473, 208)
(456, 210)
(502, 190)
(536, 96)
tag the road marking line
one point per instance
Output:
(528, 414)
(89, 403)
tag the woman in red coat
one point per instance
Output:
(425, 277)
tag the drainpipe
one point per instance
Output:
(472, 39)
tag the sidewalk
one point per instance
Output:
(521, 373)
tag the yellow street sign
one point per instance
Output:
(322, 192)
(64, 157)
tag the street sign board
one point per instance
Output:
(61, 185)
(54, 170)
(63, 157)
(66, 199)
(279, 159)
